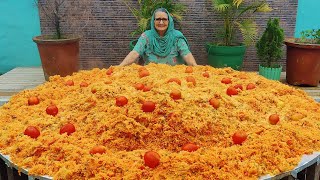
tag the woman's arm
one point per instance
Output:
(189, 59)
(130, 58)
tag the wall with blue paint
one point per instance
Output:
(308, 16)
(19, 22)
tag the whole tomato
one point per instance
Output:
(148, 106)
(69, 83)
(189, 69)
(121, 101)
(238, 86)
(139, 86)
(191, 79)
(176, 80)
(175, 94)
(67, 128)
(84, 84)
(52, 110)
(206, 74)
(239, 137)
(251, 86)
(146, 88)
(151, 159)
(33, 100)
(32, 131)
(214, 103)
(144, 73)
(109, 71)
(232, 91)
(274, 119)
(98, 150)
(190, 147)
(226, 80)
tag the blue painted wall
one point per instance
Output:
(19, 22)
(308, 16)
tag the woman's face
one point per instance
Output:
(161, 22)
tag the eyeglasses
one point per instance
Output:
(161, 19)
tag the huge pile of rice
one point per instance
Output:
(127, 132)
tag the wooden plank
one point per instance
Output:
(19, 79)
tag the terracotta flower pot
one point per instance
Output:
(303, 63)
(58, 56)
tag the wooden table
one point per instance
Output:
(22, 78)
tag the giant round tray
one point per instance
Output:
(306, 161)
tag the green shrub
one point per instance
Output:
(310, 36)
(269, 46)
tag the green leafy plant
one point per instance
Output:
(235, 14)
(269, 46)
(310, 36)
(143, 14)
(74, 14)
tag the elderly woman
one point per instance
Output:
(162, 44)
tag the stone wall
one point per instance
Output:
(106, 39)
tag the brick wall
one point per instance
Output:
(106, 38)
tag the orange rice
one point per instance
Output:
(127, 132)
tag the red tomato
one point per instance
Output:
(232, 91)
(274, 119)
(109, 71)
(144, 73)
(67, 128)
(190, 147)
(32, 131)
(238, 86)
(121, 101)
(52, 110)
(139, 86)
(98, 149)
(175, 94)
(206, 74)
(69, 83)
(189, 69)
(214, 103)
(151, 159)
(84, 84)
(175, 80)
(239, 137)
(142, 68)
(33, 100)
(191, 79)
(146, 88)
(226, 81)
(94, 90)
(148, 106)
(251, 86)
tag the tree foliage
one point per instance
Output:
(235, 14)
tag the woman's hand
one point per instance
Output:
(189, 59)
(130, 58)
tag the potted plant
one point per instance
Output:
(59, 51)
(303, 59)
(235, 14)
(145, 11)
(269, 50)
